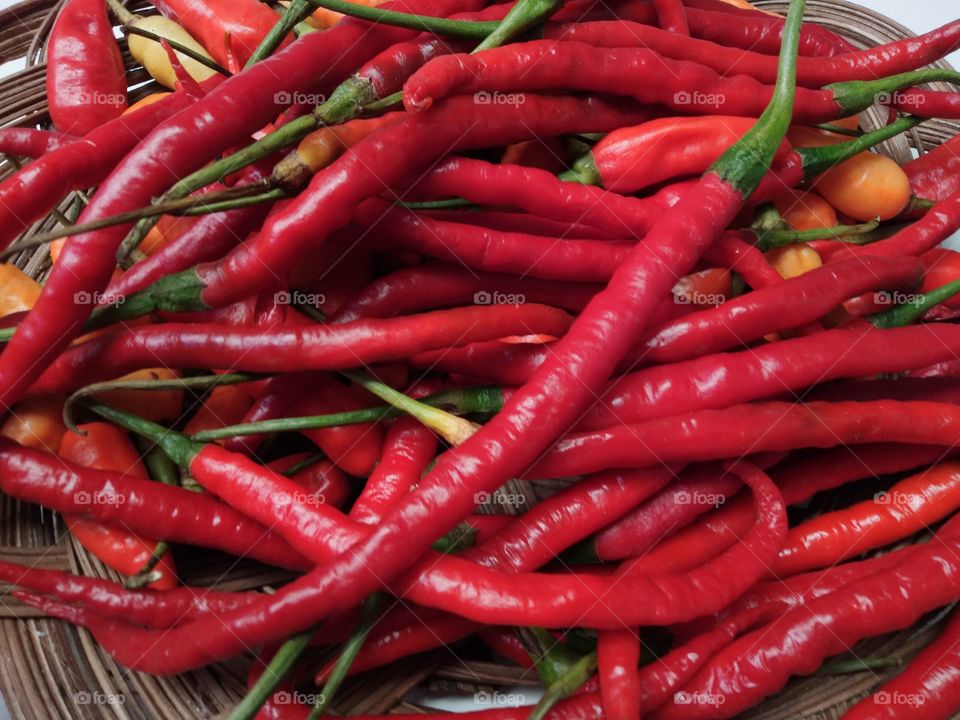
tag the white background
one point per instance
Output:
(918, 15)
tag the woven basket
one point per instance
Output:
(48, 669)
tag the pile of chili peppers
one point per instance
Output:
(597, 339)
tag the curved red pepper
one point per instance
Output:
(32, 143)
(618, 654)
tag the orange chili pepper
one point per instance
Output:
(36, 423)
(107, 447)
(707, 287)
(156, 406)
(794, 260)
(866, 186)
(805, 210)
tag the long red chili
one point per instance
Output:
(240, 105)
(883, 61)
(145, 607)
(32, 143)
(741, 429)
(672, 16)
(756, 665)
(434, 285)
(141, 505)
(929, 686)
(935, 175)
(683, 86)
(518, 434)
(86, 81)
(312, 347)
(32, 192)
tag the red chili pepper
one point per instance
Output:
(488, 250)
(529, 423)
(145, 607)
(230, 31)
(734, 252)
(211, 237)
(314, 347)
(105, 447)
(322, 480)
(672, 16)
(618, 655)
(354, 448)
(882, 61)
(942, 267)
(521, 223)
(86, 82)
(757, 665)
(32, 192)
(241, 105)
(434, 285)
(506, 644)
(935, 175)
(146, 507)
(928, 686)
(30, 142)
(408, 449)
(742, 429)
(908, 507)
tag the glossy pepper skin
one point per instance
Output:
(551, 65)
(672, 16)
(312, 347)
(935, 175)
(86, 81)
(33, 191)
(813, 72)
(32, 143)
(929, 685)
(105, 447)
(147, 507)
(527, 425)
(229, 30)
(618, 654)
(760, 663)
(239, 106)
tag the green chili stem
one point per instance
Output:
(820, 159)
(178, 447)
(455, 430)
(744, 165)
(273, 674)
(460, 538)
(199, 382)
(521, 17)
(856, 95)
(462, 401)
(438, 26)
(350, 651)
(566, 685)
(778, 237)
(837, 130)
(551, 658)
(214, 206)
(295, 13)
(437, 204)
(910, 312)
